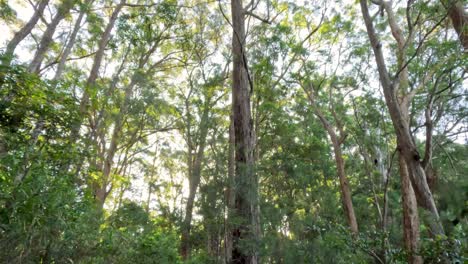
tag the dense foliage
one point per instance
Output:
(117, 132)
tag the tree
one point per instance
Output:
(26, 29)
(46, 40)
(399, 95)
(245, 180)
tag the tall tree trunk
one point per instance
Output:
(398, 113)
(46, 40)
(245, 180)
(70, 44)
(194, 182)
(337, 141)
(26, 29)
(344, 185)
(410, 215)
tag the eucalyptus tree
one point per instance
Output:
(336, 131)
(148, 31)
(246, 181)
(27, 28)
(459, 17)
(123, 102)
(204, 79)
(72, 37)
(62, 11)
(399, 91)
(97, 61)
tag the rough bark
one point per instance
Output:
(27, 28)
(245, 179)
(410, 215)
(46, 40)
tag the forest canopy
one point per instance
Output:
(216, 131)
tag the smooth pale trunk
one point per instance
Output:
(345, 189)
(69, 46)
(28, 27)
(406, 145)
(47, 38)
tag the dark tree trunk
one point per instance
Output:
(246, 196)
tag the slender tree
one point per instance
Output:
(71, 40)
(337, 137)
(62, 11)
(27, 28)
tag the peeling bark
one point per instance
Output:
(245, 180)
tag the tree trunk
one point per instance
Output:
(245, 236)
(93, 75)
(101, 188)
(410, 215)
(24, 31)
(344, 185)
(398, 113)
(336, 140)
(47, 38)
(70, 44)
(459, 18)
(194, 182)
